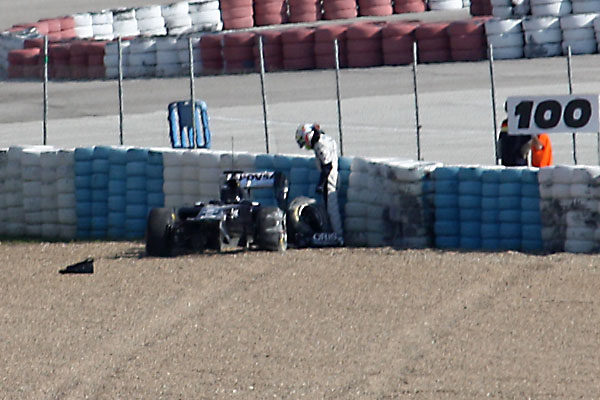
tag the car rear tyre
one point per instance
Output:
(305, 217)
(158, 232)
(271, 229)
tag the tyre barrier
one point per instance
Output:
(106, 192)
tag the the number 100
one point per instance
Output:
(548, 113)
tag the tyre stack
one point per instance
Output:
(206, 16)
(50, 228)
(378, 8)
(136, 196)
(117, 191)
(167, 57)
(531, 220)
(102, 25)
(397, 42)
(31, 170)
(409, 6)
(272, 50)
(298, 48)
(509, 206)
(447, 215)
(125, 23)
(506, 37)
(490, 224)
(3, 207)
(54, 29)
(99, 184)
(325, 47)
(359, 200)
(111, 58)
(24, 63)
(237, 14)
(173, 178)
(433, 43)
(150, 21)
(479, 8)
(83, 25)
(363, 45)
(469, 206)
(339, 9)
(211, 47)
(154, 180)
(467, 40)
(177, 18)
(65, 195)
(67, 28)
(304, 10)
(78, 59)
(83, 191)
(95, 54)
(208, 175)
(59, 59)
(183, 54)
(141, 59)
(299, 177)
(238, 52)
(543, 37)
(13, 193)
(578, 33)
(270, 12)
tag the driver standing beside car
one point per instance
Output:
(310, 136)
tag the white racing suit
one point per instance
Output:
(327, 161)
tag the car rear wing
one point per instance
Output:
(262, 180)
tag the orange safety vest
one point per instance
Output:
(542, 158)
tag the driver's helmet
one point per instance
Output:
(231, 192)
(304, 135)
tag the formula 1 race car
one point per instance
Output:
(232, 220)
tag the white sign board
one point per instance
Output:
(529, 115)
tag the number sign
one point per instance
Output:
(529, 115)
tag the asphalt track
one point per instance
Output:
(378, 104)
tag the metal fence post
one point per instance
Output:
(262, 89)
(339, 100)
(120, 79)
(570, 76)
(417, 123)
(45, 89)
(493, 94)
(192, 91)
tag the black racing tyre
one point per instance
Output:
(158, 232)
(305, 217)
(271, 229)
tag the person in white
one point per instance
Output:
(310, 136)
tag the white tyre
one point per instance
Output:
(551, 9)
(184, 56)
(112, 48)
(202, 6)
(562, 174)
(139, 71)
(540, 23)
(445, 4)
(206, 17)
(178, 21)
(575, 35)
(84, 32)
(102, 18)
(576, 21)
(180, 30)
(502, 11)
(508, 53)
(148, 24)
(168, 43)
(505, 40)
(175, 9)
(82, 19)
(585, 174)
(148, 12)
(112, 60)
(145, 45)
(496, 26)
(126, 27)
(582, 7)
(142, 59)
(155, 32)
(102, 30)
(522, 9)
(589, 46)
(168, 70)
(543, 36)
(167, 57)
(537, 50)
(123, 14)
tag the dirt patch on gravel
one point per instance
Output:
(330, 323)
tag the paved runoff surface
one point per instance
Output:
(377, 104)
